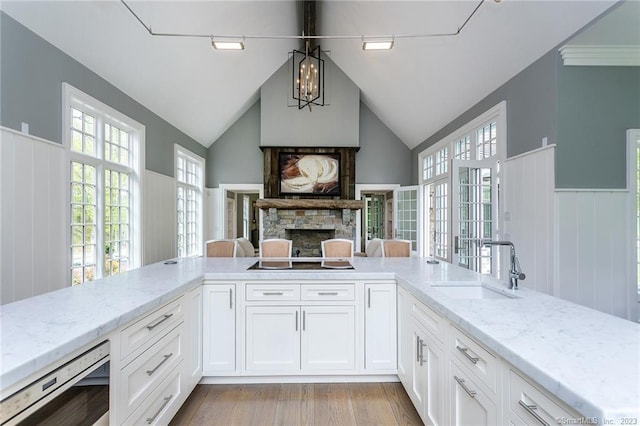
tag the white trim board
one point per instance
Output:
(592, 55)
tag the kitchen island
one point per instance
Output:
(588, 360)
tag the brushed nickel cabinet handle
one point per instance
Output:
(304, 320)
(327, 293)
(422, 345)
(473, 359)
(417, 348)
(230, 298)
(166, 357)
(531, 409)
(296, 320)
(272, 293)
(164, 404)
(164, 318)
(469, 392)
(369, 297)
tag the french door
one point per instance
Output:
(474, 214)
(406, 212)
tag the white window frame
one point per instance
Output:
(498, 113)
(633, 145)
(180, 151)
(73, 97)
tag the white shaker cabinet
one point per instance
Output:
(470, 405)
(380, 327)
(404, 338)
(426, 362)
(219, 329)
(328, 338)
(193, 349)
(272, 335)
(307, 338)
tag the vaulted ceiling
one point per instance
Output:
(415, 88)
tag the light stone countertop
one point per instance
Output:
(588, 359)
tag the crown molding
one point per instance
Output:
(613, 55)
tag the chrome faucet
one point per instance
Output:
(515, 273)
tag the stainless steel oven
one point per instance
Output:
(76, 393)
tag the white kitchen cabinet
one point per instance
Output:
(526, 404)
(426, 370)
(380, 327)
(327, 338)
(193, 347)
(273, 338)
(152, 352)
(219, 329)
(469, 404)
(293, 338)
(404, 338)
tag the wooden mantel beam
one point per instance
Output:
(316, 204)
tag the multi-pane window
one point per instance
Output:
(117, 221)
(440, 223)
(427, 167)
(442, 161)
(83, 222)
(462, 148)
(189, 189)
(104, 185)
(486, 138)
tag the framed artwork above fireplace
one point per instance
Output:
(309, 174)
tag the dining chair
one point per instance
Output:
(221, 248)
(396, 248)
(337, 247)
(275, 247)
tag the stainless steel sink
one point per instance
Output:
(471, 291)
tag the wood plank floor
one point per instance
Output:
(298, 404)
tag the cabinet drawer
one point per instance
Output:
(429, 319)
(160, 407)
(150, 327)
(528, 405)
(475, 358)
(328, 292)
(277, 292)
(142, 375)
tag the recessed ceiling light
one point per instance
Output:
(227, 45)
(377, 45)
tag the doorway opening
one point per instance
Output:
(376, 217)
(240, 216)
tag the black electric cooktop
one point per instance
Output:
(300, 265)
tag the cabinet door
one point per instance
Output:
(328, 338)
(273, 338)
(469, 405)
(405, 359)
(219, 329)
(433, 363)
(193, 347)
(418, 371)
(380, 327)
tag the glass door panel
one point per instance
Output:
(474, 214)
(406, 215)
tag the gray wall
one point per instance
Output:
(585, 111)
(383, 157)
(596, 105)
(531, 110)
(31, 75)
(333, 125)
(236, 157)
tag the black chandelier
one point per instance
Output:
(308, 66)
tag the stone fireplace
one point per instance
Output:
(307, 228)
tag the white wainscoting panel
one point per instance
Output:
(528, 218)
(591, 246)
(33, 209)
(159, 224)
